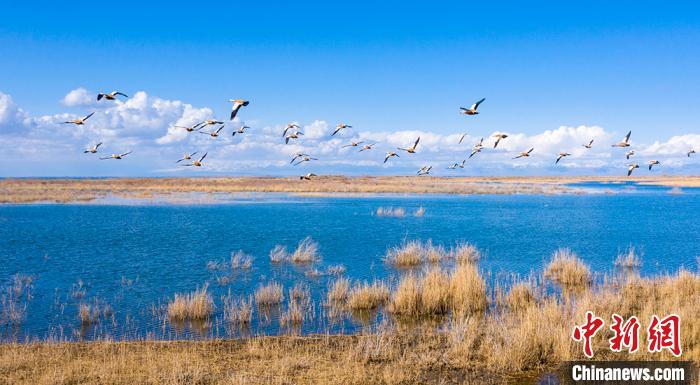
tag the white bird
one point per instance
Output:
(589, 145)
(425, 170)
(93, 149)
(690, 152)
(237, 104)
(197, 163)
(367, 147)
(293, 135)
(472, 110)
(187, 157)
(240, 130)
(215, 133)
(289, 127)
(353, 144)
(653, 162)
(110, 96)
(625, 142)
(340, 127)
(297, 155)
(561, 155)
(499, 138)
(79, 121)
(455, 165)
(305, 159)
(116, 156)
(412, 149)
(307, 176)
(631, 168)
(524, 154)
(629, 153)
(477, 148)
(389, 155)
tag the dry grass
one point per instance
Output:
(241, 260)
(406, 299)
(306, 252)
(270, 294)
(339, 290)
(194, 306)
(390, 212)
(520, 297)
(90, 313)
(419, 212)
(568, 270)
(368, 296)
(279, 254)
(237, 310)
(468, 289)
(409, 254)
(464, 252)
(628, 259)
(14, 299)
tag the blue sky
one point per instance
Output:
(393, 70)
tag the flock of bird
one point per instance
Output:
(292, 132)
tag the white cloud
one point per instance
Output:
(12, 118)
(78, 97)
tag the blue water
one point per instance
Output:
(135, 257)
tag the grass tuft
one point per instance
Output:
(306, 252)
(270, 294)
(195, 306)
(568, 270)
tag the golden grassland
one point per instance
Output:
(444, 324)
(76, 190)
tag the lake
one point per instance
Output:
(134, 255)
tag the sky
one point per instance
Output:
(554, 74)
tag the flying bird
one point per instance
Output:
(237, 104)
(241, 130)
(629, 153)
(116, 156)
(215, 133)
(690, 152)
(477, 147)
(499, 138)
(205, 123)
(79, 121)
(110, 96)
(305, 159)
(289, 127)
(340, 127)
(653, 162)
(353, 144)
(461, 138)
(92, 149)
(197, 163)
(455, 165)
(412, 149)
(561, 155)
(425, 170)
(307, 176)
(293, 135)
(472, 110)
(389, 155)
(631, 168)
(624, 142)
(187, 157)
(297, 155)
(524, 154)
(367, 147)
(190, 129)
(589, 145)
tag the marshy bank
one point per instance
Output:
(443, 320)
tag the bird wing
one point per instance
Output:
(627, 137)
(100, 96)
(530, 150)
(203, 156)
(121, 93)
(234, 111)
(88, 116)
(126, 153)
(463, 108)
(476, 105)
(461, 138)
(496, 144)
(416, 143)
(98, 145)
(336, 131)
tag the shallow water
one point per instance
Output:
(135, 256)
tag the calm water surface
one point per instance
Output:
(135, 256)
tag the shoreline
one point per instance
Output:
(68, 190)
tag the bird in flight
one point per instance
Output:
(110, 96)
(624, 142)
(367, 147)
(241, 130)
(690, 152)
(92, 149)
(237, 104)
(190, 129)
(79, 121)
(412, 149)
(499, 137)
(631, 168)
(305, 159)
(455, 165)
(389, 155)
(629, 153)
(297, 156)
(589, 145)
(293, 135)
(215, 133)
(425, 170)
(205, 123)
(461, 138)
(353, 144)
(289, 127)
(561, 155)
(307, 176)
(187, 157)
(652, 163)
(116, 156)
(197, 163)
(524, 154)
(472, 110)
(340, 127)
(477, 147)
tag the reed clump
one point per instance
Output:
(568, 270)
(399, 212)
(339, 290)
(237, 310)
(269, 294)
(195, 306)
(241, 260)
(520, 297)
(468, 289)
(628, 260)
(306, 252)
(279, 254)
(409, 254)
(367, 296)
